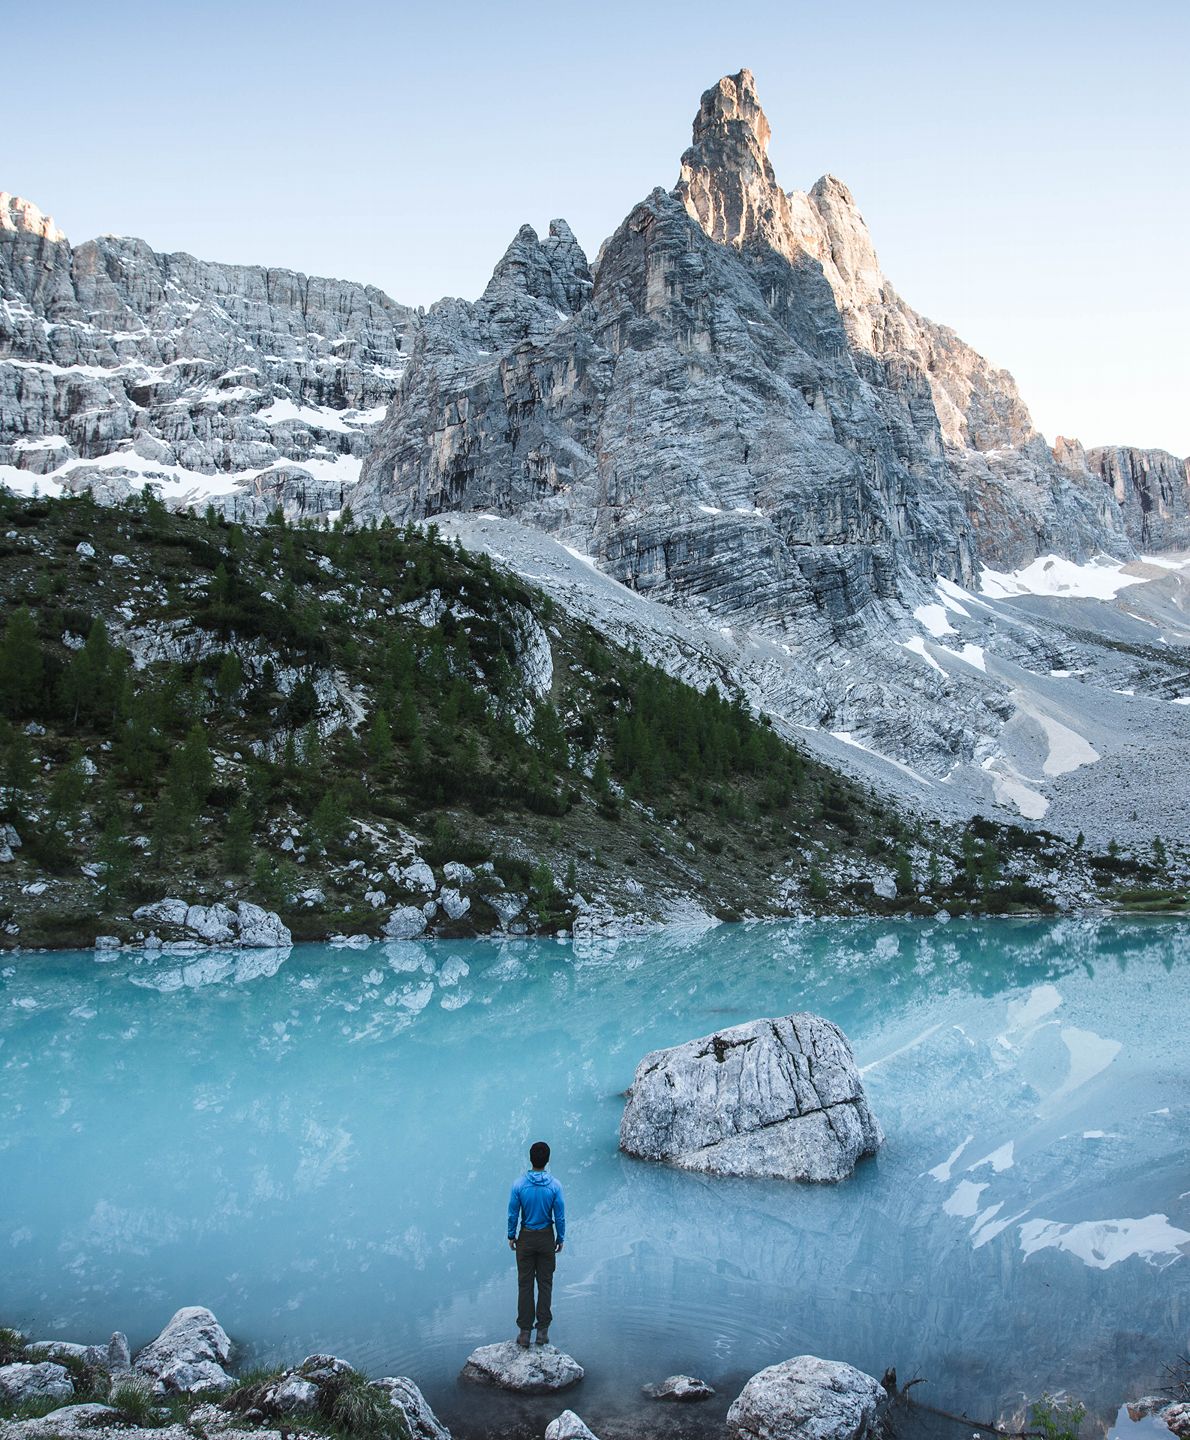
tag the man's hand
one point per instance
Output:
(558, 1248)
(511, 1243)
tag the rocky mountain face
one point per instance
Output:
(730, 411)
(739, 408)
(118, 365)
(734, 413)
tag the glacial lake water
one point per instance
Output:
(318, 1144)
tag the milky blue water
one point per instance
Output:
(319, 1146)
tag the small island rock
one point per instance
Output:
(807, 1399)
(685, 1389)
(777, 1098)
(539, 1370)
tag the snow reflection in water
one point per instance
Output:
(318, 1145)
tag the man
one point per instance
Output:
(536, 1204)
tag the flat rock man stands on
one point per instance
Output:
(536, 1205)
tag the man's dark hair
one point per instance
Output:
(539, 1155)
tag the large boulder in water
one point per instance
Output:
(538, 1370)
(807, 1399)
(569, 1426)
(189, 1354)
(778, 1098)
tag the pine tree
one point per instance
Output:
(22, 670)
(380, 739)
(904, 873)
(229, 680)
(237, 839)
(115, 854)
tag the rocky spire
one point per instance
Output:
(25, 218)
(727, 182)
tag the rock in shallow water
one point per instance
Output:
(540, 1370)
(807, 1399)
(778, 1098)
(568, 1426)
(683, 1388)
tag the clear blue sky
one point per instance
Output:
(1023, 167)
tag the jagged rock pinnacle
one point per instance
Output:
(23, 215)
(727, 183)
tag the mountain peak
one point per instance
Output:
(25, 217)
(732, 107)
(727, 183)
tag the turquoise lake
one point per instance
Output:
(319, 1143)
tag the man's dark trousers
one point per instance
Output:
(535, 1261)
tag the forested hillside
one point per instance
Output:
(309, 718)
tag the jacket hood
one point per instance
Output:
(538, 1177)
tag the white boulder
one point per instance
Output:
(421, 1421)
(163, 912)
(213, 923)
(807, 1399)
(538, 1370)
(405, 923)
(261, 928)
(40, 1380)
(455, 904)
(458, 873)
(568, 1426)
(189, 1354)
(417, 876)
(778, 1098)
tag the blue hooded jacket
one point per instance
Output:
(536, 1199)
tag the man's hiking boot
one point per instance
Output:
(543, 1336)
(522, 1339)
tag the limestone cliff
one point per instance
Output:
(118, 363)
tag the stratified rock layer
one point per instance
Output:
(776, 1098)
(118, 364)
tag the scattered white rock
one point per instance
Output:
(807, 1399)
(405, 923)
(779, 1098)
(261, 928)
(40, 1380)
(506, 905)
(458, 873)
(455, 904)
(539, 1370)
(85, 549)
(163, 912)
(417, 876)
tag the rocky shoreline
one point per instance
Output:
(182, 1386)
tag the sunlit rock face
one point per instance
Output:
(733, 407)
(199, 376)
